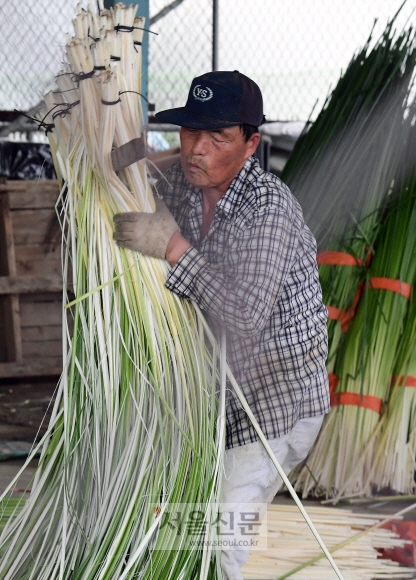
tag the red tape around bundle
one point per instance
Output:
(330, 258)
(398, 286)
(333, 382)
(345, 316)
(357, 400)
(408, 381)
(335, 313)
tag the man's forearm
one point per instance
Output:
(177, 246)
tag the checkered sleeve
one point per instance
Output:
(242, 297)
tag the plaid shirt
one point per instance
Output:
(255, 274)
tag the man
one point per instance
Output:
(238, 246)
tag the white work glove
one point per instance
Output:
(148, 233)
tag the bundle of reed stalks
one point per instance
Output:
(137, 426)
(353, 172)
(343, 456)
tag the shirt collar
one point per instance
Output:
(232, 198)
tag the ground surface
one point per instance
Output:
(25, 408)
(24, 414)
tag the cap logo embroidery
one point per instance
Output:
(201, 94)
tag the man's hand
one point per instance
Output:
(148, 233)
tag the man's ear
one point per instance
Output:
(252, 144)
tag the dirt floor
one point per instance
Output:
(25, 408)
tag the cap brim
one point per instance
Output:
(185, 118)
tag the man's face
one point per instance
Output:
(212, 158)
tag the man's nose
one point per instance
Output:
(199, 145)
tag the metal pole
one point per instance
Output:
(215, 32)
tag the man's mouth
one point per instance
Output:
(193, 166)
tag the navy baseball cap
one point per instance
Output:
(218, 99)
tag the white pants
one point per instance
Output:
(250, 477)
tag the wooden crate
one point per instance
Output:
(30, 280)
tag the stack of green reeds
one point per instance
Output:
(365, 364)
(390, 460)
(370, 299)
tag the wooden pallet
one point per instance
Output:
(30, 280)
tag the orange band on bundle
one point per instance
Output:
(357, 400)
(333, 382)
(345, 316)
(330, 258)
(398, 286)
(408, 381)
(334, 313)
